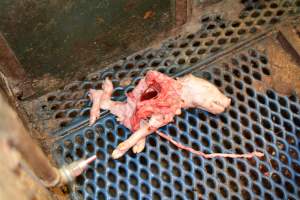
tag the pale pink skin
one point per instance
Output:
(199, 93)
(195, 93)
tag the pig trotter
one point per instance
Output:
(139, 146)
(95, 97)
(100, 99)
(136, 138)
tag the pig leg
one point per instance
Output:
(95, 97)
(146, 129)
(156, 121)
(139, 146)
(100, 99)
(123, 147)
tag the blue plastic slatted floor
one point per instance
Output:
(260, 121)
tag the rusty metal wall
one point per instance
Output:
(56, 41)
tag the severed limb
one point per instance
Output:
(213, 155)
(145, 129)
(134, 138)
(95, 97)
(101, 100)
(139, 146)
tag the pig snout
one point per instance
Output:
(197, 92)
(220, 104)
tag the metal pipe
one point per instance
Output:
(70, 172)
(13, 129)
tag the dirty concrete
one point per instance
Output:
(285, 70)
(289, 39)
(286, 78)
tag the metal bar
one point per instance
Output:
(290, 40)
(181, 12)
(12, 70)
(13, 129)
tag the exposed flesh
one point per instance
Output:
(154, 102)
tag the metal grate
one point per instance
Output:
(262, 121)
(70, 105)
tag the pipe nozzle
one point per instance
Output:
(70, 172)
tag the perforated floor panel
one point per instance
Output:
(257, 120)
(266, 122)
(216, 34)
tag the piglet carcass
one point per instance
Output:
(153, 103)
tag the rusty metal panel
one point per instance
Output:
(63, 39)
(13, 79)
(290, 38)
